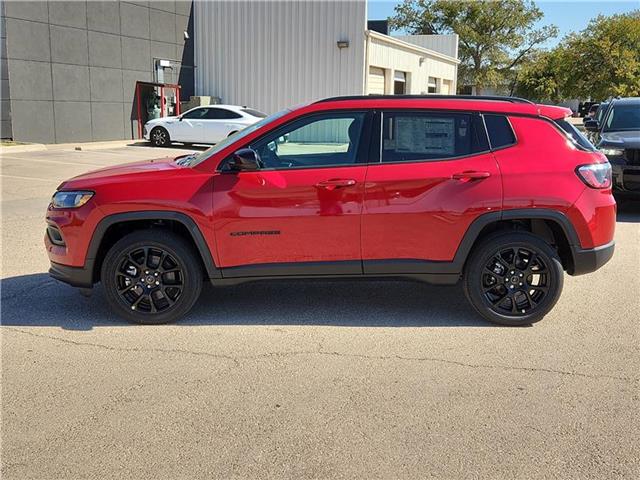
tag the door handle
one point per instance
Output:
(470, 175)
(336, 183)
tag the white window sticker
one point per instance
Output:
(425, 135)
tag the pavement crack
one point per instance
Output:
(320, 351)
(480, 365)
(128, 349)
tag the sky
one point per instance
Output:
(568, 16)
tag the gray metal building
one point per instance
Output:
(69, 68)
(273, 54)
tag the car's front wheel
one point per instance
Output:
(513, 278)
(151, 277)
(160, 137)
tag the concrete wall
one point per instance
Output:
(5, 102)
(73, 65)
(274, 54)
(393, 55)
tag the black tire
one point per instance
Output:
(160, 137)
(510, 288)
(136, 293)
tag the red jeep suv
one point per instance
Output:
(497, 192)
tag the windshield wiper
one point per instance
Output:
(184, 160)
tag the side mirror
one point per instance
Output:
(245, 160)
(591, 125)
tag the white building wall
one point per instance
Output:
(393, 55)
(447, 44)
(275, 54)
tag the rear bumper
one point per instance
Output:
(591, 259)
(75, 276)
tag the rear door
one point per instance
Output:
(219, 123)
(300, 213)
(435, 175)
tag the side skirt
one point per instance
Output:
(428, 272)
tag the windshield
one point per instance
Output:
(576, 137)
(197, 158)
(623, 117)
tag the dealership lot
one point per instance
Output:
(318, 379)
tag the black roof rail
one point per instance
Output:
(496, 98)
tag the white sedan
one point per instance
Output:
(207, 124)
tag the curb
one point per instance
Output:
(88, 146)
(30, 147)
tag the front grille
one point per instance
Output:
(632, 156)
(631, 179)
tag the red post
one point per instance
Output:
(162, 101)
(139, 109)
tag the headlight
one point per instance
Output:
(612, 152)
(70, 199)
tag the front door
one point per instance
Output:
(300, 213)
(190, 127)
(435, 176)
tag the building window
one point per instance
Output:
(399, 83)
(432, 85)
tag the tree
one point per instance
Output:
(494, 36)
(543, 76)
(601, 61)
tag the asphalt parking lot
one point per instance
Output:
(340, 379)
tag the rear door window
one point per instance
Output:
(430, 136)
(221, 114)
(499, 130)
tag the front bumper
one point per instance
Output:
(75, 276)
(626, 179)
(589, 260)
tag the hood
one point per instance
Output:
(122, 173)
(622, 139)
(162, 120)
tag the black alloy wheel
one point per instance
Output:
(513, 278)
(149, 279)
(152, 276)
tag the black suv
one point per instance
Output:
(617, 135)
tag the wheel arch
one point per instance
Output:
(113, 227)
(551, 225)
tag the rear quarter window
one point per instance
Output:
(499, 130)
(576, 137)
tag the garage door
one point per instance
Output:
(376, 80)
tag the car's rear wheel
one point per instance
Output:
(160, 137)
(513, 278)
(151, 277)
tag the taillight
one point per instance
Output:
(596, 175)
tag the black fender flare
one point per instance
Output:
(185, 220)
(472, 233)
